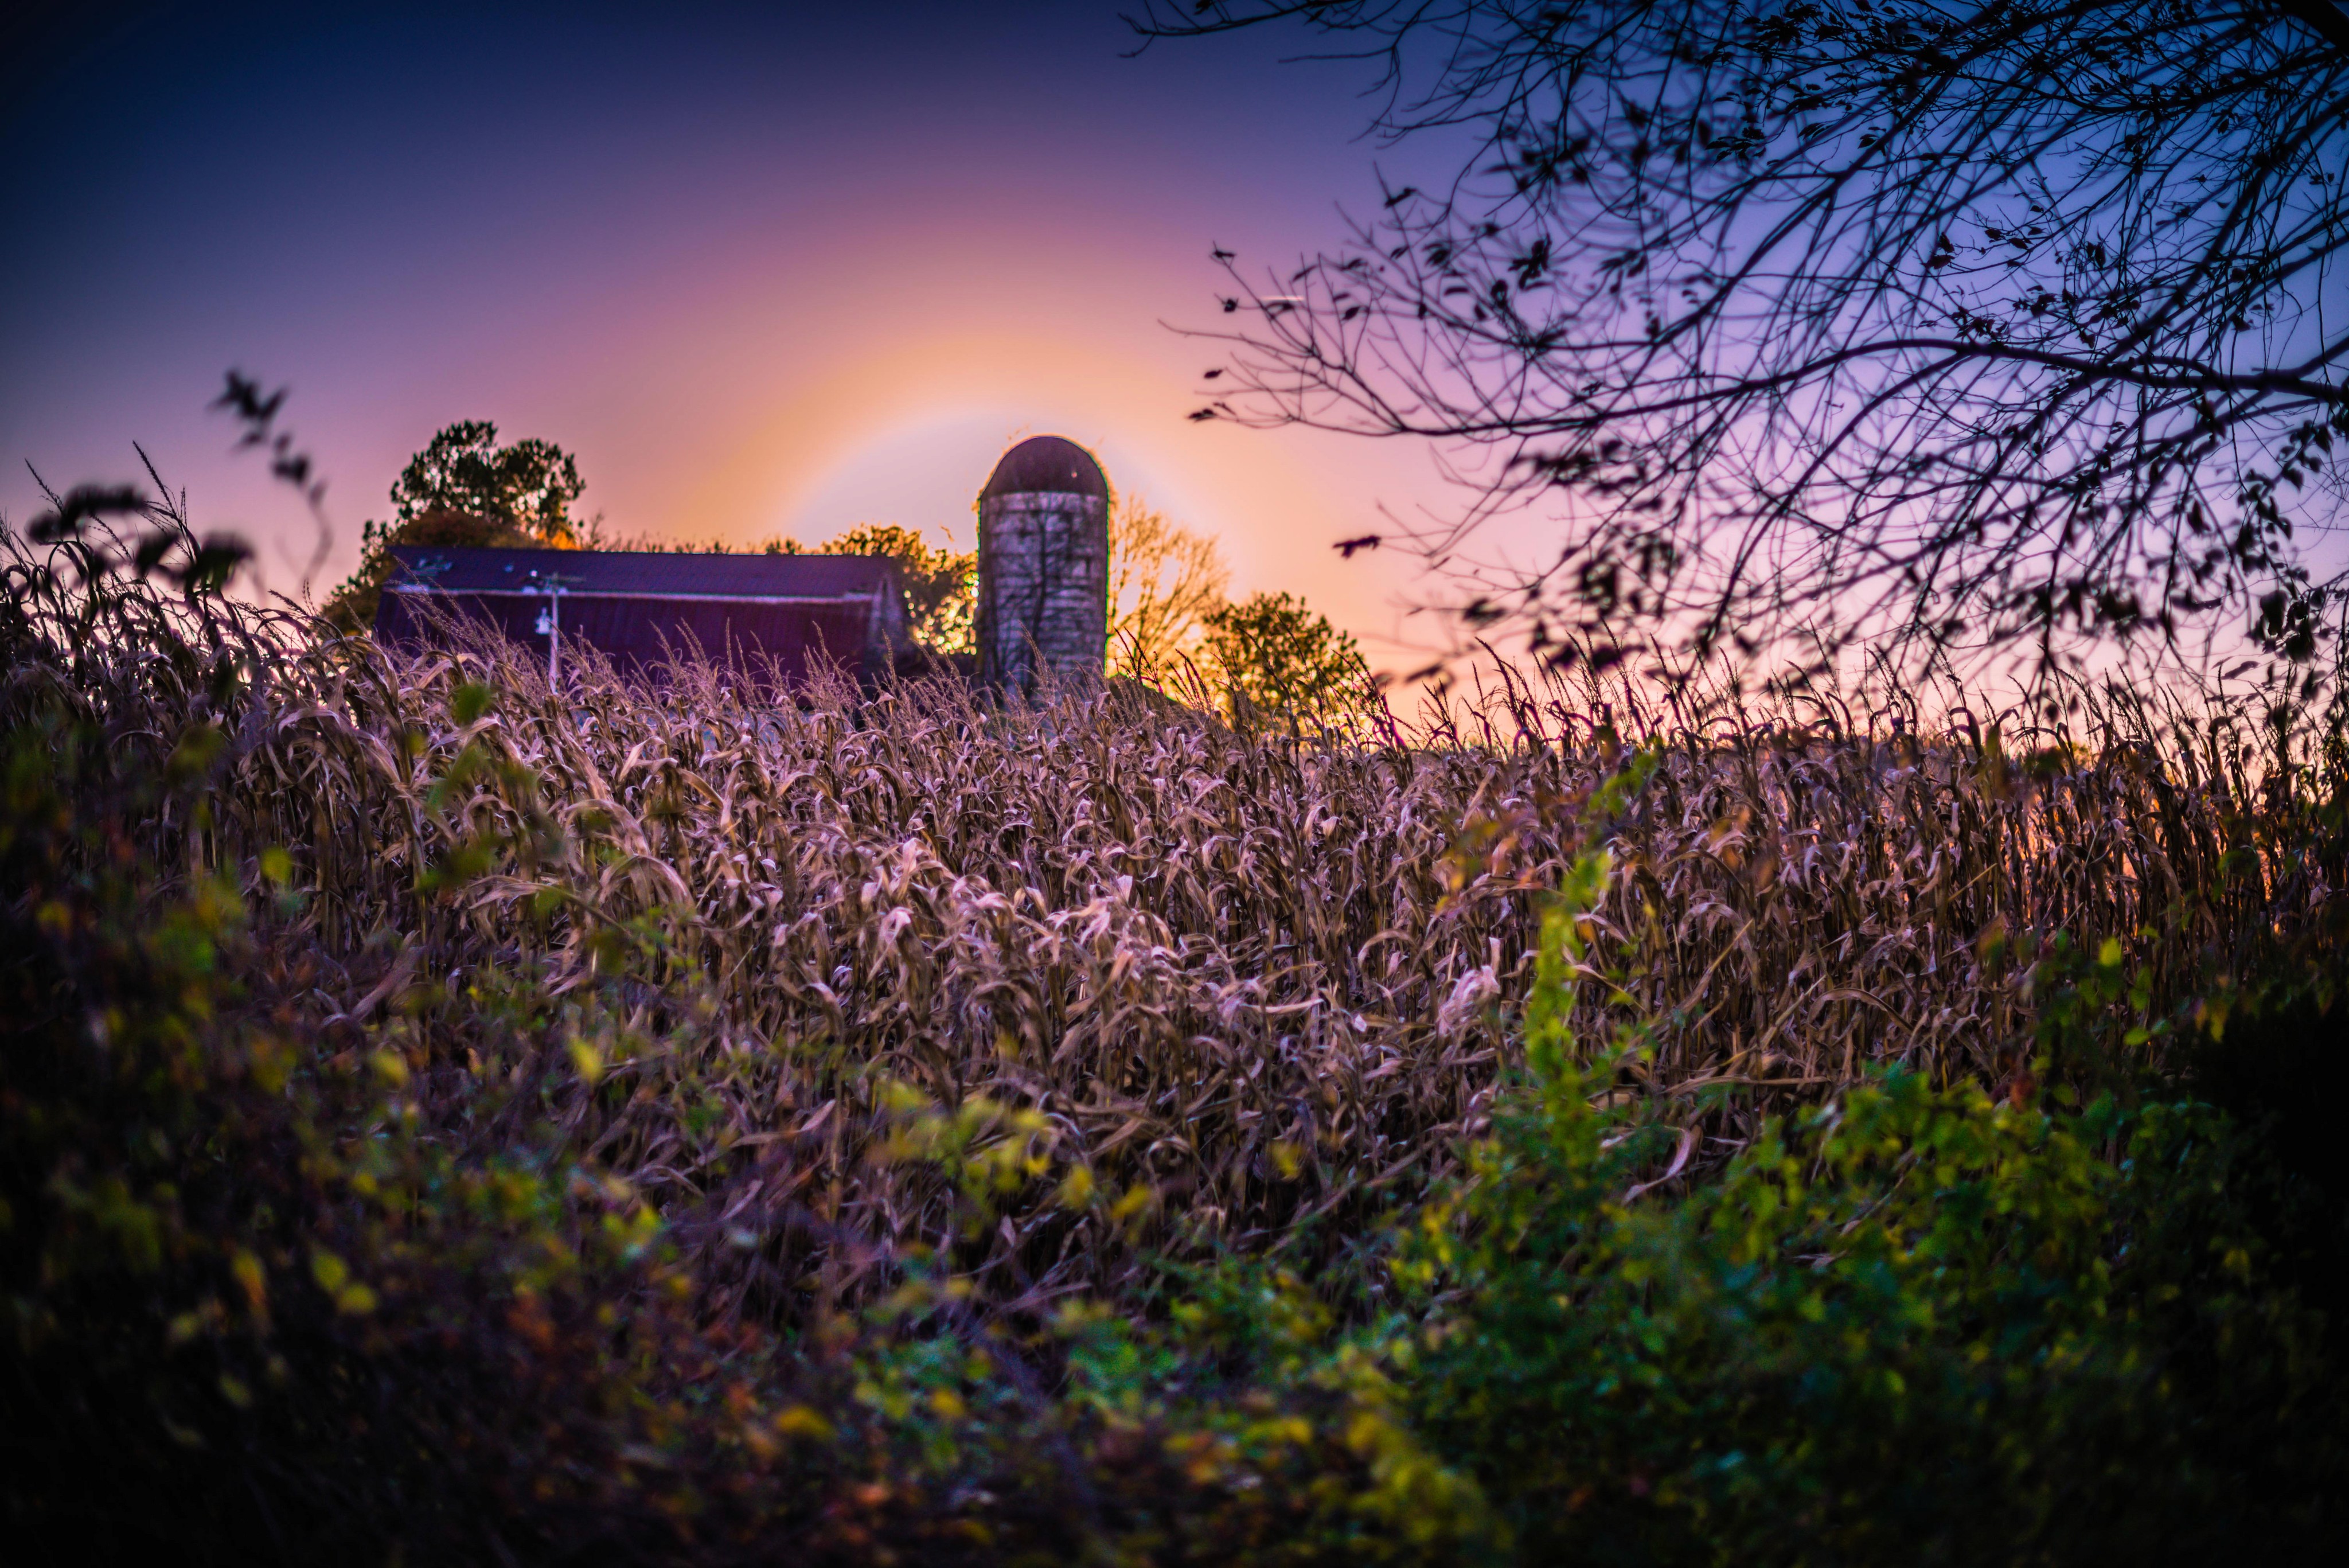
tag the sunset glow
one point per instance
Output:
(762, 279)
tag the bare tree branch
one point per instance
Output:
(1961, 320)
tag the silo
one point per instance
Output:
(1043, 565)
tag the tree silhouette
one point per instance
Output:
(1965, 322)
(528, 486)
(463, 489)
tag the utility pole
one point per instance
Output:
(550, 619)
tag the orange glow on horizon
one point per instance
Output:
(806, 422)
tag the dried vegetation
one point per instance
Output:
(651, 1121)
(1207, 984)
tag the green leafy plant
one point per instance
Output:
(1911, 1323)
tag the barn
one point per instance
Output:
(788, 614)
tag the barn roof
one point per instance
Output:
(644, 574)
(1047, 463)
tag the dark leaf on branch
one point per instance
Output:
(1845, 430)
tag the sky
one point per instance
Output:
(764, 270)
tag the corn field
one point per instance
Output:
(1153, 982)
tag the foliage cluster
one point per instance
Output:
(1908, 1324)
(1166, 582)
(464, 489)
(1271, 655)
(941, 582)
(451, 1118)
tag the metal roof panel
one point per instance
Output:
(652, 573)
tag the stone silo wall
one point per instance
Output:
(1043, 587)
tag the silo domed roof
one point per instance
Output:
(1047, 463)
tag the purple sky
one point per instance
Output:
(763, 269)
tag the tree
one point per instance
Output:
(463, 489)
(1270, 656)
(1166, 582)
(941, 584)
(1967, 321)
(528, 486)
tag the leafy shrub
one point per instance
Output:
(1910, 1324)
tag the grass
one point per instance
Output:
(719, 1116)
